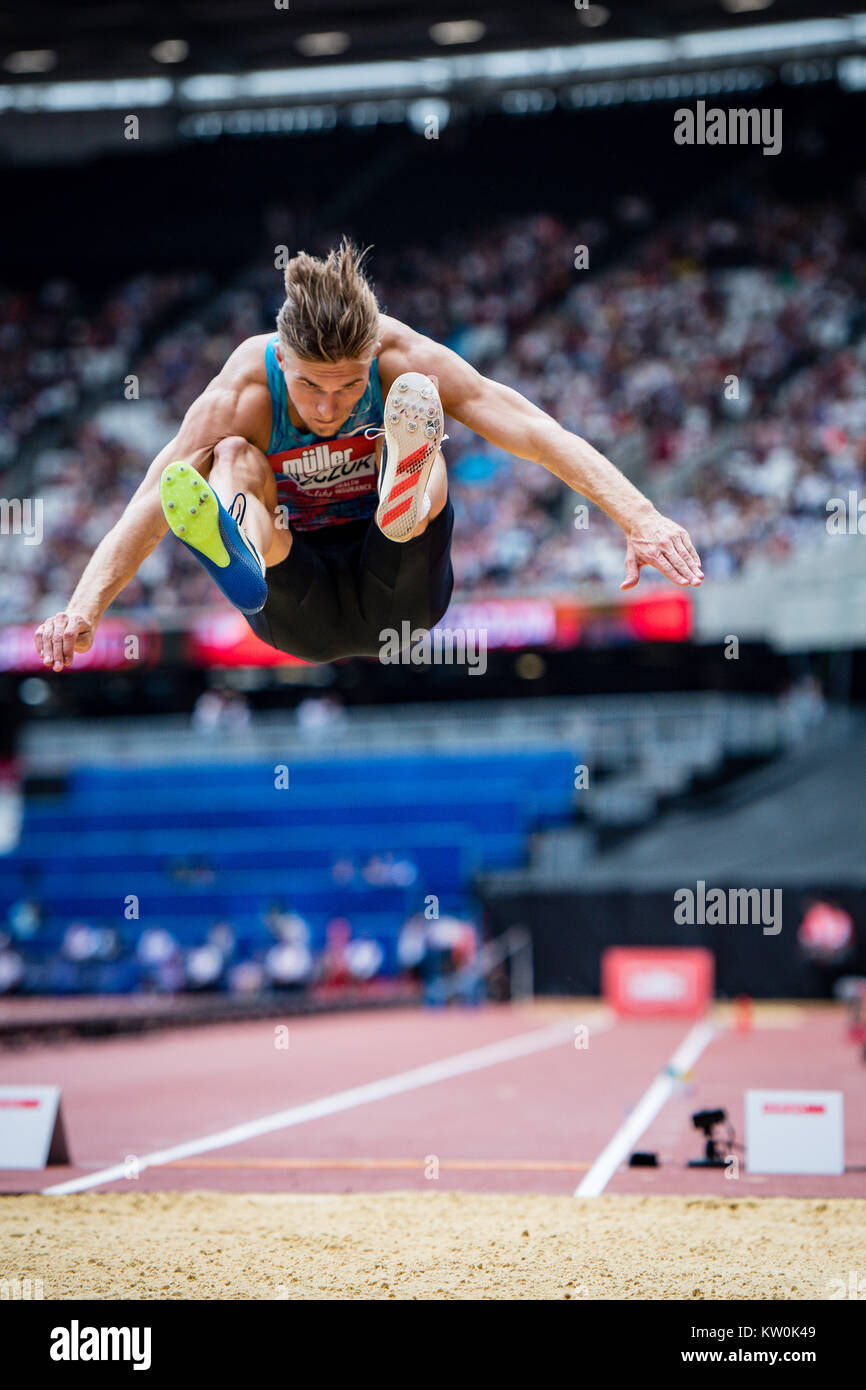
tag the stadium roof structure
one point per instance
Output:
(204, 69)
(105, 39)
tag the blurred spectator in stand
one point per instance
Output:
(443, 955)
(247, 979)
(803, 705)
(343, 871)
(289, 964)
(364, 959)
(110, 946)
(236, 711)
(161, 961)
(287, 925)
(220, 709)
(333, 965)
(11, 970)
(412, 945)
(192, 872)
(25, 919)
(207, 712)
(11, 799)
(386, 871)
(222, 936)
(319, 714)
(81, 943)
(204, 966)
(91, 960)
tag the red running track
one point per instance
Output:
(532, 1123)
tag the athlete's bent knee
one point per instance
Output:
(233, 449)
(250, 471)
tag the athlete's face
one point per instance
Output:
(324, 394)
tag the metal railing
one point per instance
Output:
(615, 730)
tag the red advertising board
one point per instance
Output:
(225, 639)
(120, 644)
(657, 980)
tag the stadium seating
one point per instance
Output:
(208, 844)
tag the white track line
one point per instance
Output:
(505, 1051)
(645, 1111)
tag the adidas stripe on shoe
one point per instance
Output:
(414, 425)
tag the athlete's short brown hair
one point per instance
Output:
(331, 313)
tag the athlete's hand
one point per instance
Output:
(666, 546)
(59, 638)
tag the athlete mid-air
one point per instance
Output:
(308, 479)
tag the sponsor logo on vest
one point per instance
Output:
(324, 464)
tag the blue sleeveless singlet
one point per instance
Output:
(323, 481)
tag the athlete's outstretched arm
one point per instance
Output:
(120, 553)
(507, 419)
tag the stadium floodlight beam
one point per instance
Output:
(88, 96)
(351, 79)
(770, 38)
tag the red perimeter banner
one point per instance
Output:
(225, 639)
(120, 644)
(222, 638)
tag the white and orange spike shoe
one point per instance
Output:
(413, 428)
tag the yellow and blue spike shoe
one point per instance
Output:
(216, 538)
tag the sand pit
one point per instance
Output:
(200, 1245)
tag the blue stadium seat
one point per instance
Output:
(121, 831)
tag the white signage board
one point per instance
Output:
(795, 1132)
(31, 1127)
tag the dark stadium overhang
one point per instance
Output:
(103, 41)
(67, 115)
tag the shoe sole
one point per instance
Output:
(414, 425)
(190, 507)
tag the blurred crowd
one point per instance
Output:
(721, 361)
(439, 956)
(58, 342)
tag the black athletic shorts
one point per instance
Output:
(339, 587)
